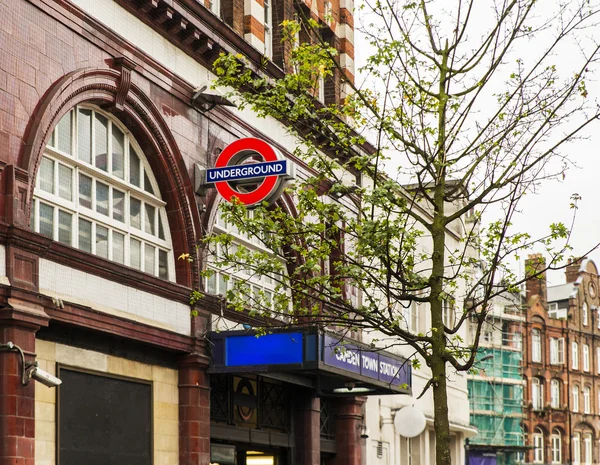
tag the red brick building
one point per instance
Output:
(100, 137)
(562, 366)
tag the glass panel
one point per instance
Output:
(147, 185)
(85, 191)
(101, 241)
(135, 208)
(65, 182)
(135, 252)
(32, 225)
(149, 219)
(64, 133)
(47, 175)
(223, 280)
(211, 284)
(84, 135)
(149, 259)
(85, 235)
(46, 220)
(52, 141)
(119, 205)
(163, 269)
(118, 247)
(161, 231)
(118, 151)
(101, 198)
(134, 168)
(101, 142)
(65, 226)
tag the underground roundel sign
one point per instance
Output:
(250, 170)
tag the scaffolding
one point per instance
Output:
(496, 385)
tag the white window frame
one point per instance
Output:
(586, 357)
(587, 448)
(575, 398)
(147, 196)
(538, 446)
(557, 351)
(598, 359)
(574, 356)
(584, 313)
(448, 313)
(215, 7)
(537, 394)
(536, 346)
(587, 400)
(268, 27)
(576, 445)
(554, 393)
(556, 446)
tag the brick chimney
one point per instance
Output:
(536, 285)
(572, 269)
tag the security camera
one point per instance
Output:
(43, 377)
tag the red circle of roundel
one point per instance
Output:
(264, 188)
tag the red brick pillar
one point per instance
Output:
(194, 411)
(17, 410)
(347, 434)
(308, 430)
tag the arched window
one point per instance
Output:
(538, 446)
(587, 400)
(555, 393)
(576, 445)
(584, 314)
(95, 192)
(536, 346)
(556, 445)
(575, 398)
(537, 394)
(587, 448)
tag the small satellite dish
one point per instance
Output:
(409, 422)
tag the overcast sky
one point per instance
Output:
(551, 203)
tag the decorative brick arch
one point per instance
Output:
(112, 90)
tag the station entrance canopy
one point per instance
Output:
(333, 365)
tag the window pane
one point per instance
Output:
(64, 133)
(65, 182)
(65, 225)
(161, 231)
(135, 253)
(102, 198)
(47, 175)
(101, 143)
(84, 135)
(85, 235)
(118, 247)
(134, 168)
(149, 259)
(135, 207)
(147, 185)
(46, 220)
(119, 205)
(149, 219)
(85, 191)
(118, 151)
(211, 284)
(163, 269)
(101, 241)
(32, 222)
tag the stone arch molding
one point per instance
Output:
(112, 90)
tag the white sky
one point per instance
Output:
(552, 201)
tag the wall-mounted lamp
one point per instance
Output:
(204, 101)
(364, 431)
(31, 370)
